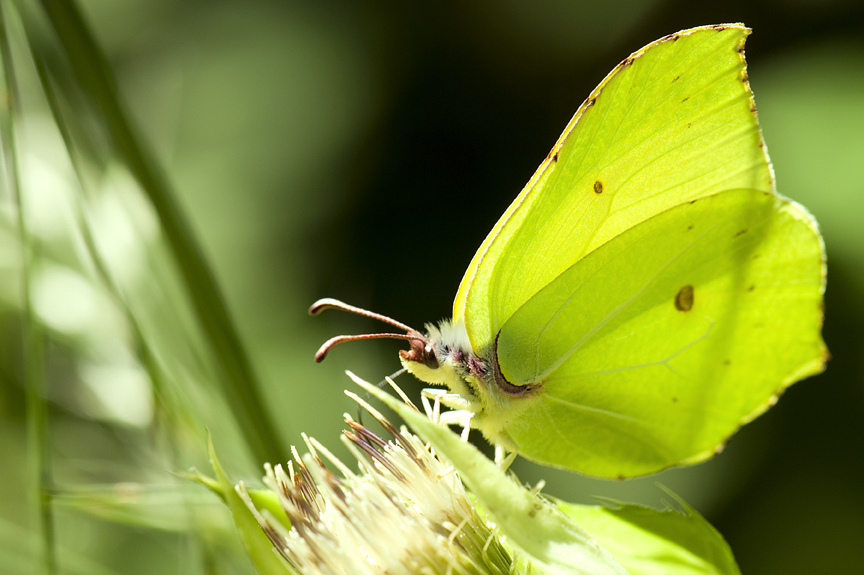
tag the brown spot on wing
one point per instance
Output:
(684, 298)
(598, 187)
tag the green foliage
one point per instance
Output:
(646, 541)
(94, 76)
(256, 543)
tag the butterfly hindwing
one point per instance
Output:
(654, 348)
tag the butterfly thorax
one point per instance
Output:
(445, 357)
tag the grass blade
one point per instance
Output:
(239, 383)
(38, 445)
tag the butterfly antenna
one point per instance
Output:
(330, 303)
(340, 339)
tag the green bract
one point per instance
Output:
(650, 542)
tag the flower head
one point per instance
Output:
(406, 511)
(442, 507)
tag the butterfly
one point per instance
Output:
(648, 292)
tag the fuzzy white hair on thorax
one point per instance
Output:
(449, 334)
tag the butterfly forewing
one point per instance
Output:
(672, 123)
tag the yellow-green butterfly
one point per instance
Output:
(648, 292)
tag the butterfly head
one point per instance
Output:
(441, 356)
(444, 356)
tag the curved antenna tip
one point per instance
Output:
(330, 303)
(324, 350)
(325, 303)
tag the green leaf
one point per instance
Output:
(651, 542)
(261, 498)
(255, 541)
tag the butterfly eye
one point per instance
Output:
(421, 352)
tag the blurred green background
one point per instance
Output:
(363, 151)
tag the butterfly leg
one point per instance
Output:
(503, 459)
